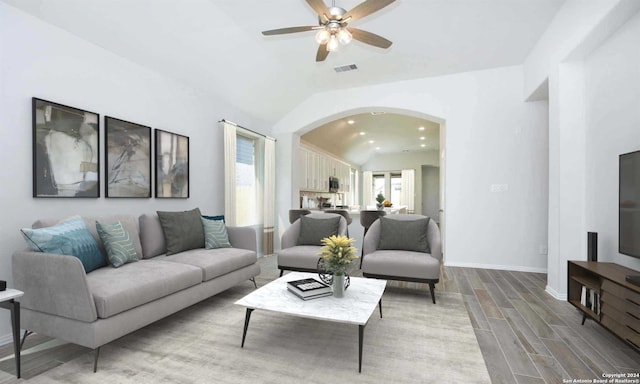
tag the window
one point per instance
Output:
(378, 185)
(396, 189)
(247, 210)
(390, 185)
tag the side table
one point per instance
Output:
(7, 301)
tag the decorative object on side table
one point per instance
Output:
(335, 257)
(3, 285)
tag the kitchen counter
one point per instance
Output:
(356, 212)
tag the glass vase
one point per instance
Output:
(338, 285)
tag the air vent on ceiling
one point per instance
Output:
(345, 68)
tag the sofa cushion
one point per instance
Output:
(69, 237)
(151, 236)
(129, 222)
(314, 229)
(182, 230)
(300, 256)
(134, 284)
(215, 262)
(417, 265)
(215, 234)
(408, 235)
(118, 243)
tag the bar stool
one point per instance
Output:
(342, 213)
(294, 214)
(366, 219)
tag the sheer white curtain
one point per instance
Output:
(229, 173)
(367, 189)
(407, 196)
(269, 194)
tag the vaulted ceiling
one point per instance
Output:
(217, 45)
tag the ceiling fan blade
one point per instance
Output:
(365, 9)
(320, 7)
(322, 52)
(369, 38)
(282, 31)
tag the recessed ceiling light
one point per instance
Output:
(421, 129)
(350, 122)
(371, 141)
(422, 137)
(377, 148)
(362, 133)
(423, 145)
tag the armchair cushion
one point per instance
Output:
(314, 229)
(404, 234)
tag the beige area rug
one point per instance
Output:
(415, 342)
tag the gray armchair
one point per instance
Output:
(402, 264)
(303, 258)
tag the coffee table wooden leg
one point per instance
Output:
(360, 339)
(247, 317)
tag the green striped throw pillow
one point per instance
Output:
(118, 243)
(215, 234)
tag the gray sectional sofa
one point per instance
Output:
(92, 309)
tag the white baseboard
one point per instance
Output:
(555, 294)
(496, 266)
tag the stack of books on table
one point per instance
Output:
(307, 289)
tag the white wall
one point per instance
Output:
(612, 75)
(400, 161)
(558, 62)
(492, 137)
(40, 60)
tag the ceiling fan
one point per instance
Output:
(333, 28)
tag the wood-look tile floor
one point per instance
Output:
(525, 335)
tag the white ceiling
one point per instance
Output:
(217, 46)
(387, 133)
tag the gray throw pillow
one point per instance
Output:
(313, 230)
(404, 235)
(182, 230)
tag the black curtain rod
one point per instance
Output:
(250, 130)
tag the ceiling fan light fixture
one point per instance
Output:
(322, 37)
(344, 36)
(333, 44)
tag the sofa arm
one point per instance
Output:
(243, 238)
(54, 284)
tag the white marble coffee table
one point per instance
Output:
(356, 307)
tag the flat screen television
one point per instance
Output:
(629, 205)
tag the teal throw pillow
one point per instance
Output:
(70, 237)
(217, 217)
(215, 234)
(314, 229)
(407, 235)
(118, 243)
(182, 230)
